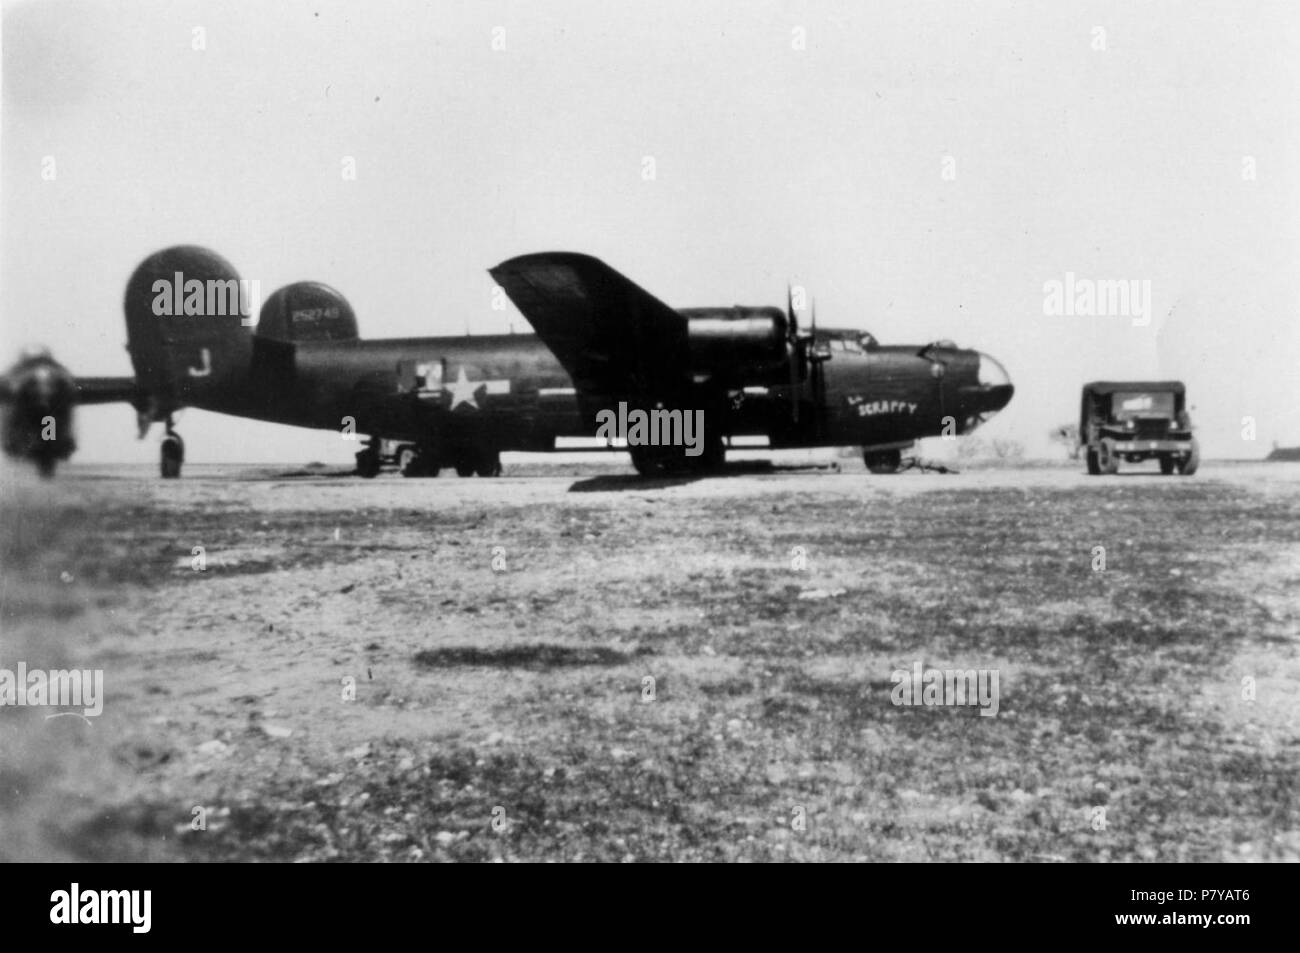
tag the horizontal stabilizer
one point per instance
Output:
(107, 390)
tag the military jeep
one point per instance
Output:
(1134, 421)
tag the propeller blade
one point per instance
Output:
(792, 330)
(792, 333)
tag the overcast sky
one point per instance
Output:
(923, 168)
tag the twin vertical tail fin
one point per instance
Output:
(188, 323)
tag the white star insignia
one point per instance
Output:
(464, 391)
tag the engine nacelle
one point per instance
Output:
(748, 345)
(38, 416)
(307, 311)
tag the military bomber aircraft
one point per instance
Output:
(603, 348)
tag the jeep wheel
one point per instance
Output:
(1094, 468)
(1167, 465)
(1107, 459)
(1188, 466)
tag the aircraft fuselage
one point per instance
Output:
(510, 392)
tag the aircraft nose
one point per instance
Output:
(991, 373)
(995, 383)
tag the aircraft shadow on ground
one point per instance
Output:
(601, 483)
(634, 481)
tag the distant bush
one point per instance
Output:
(1068, 435)
(997, 451)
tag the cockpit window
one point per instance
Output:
(868, 341)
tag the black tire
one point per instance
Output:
(464, 469)
(714, 456)
(414, 462)
(647, 464)
(1094, 467)
(1193, 461)
(1167, 465)
(45, 466)
(171, 457)
(1107, 459)
(883, 461)
(368, 463)
(420, 469)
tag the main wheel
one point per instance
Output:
(647, 464)
(171, 456)
(415, 462)
(883, 461)
(714, 456)
(368, 463)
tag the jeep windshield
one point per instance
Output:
(1126, 405)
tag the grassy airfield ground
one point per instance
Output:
(519, 694)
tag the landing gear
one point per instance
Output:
(883, 461)
(171, 455)
(649, 462)
(714, 456)
(368, 461)
(668, 461)
(413, 462)
(484, 463)
(660, 461)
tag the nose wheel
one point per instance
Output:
(883, 461)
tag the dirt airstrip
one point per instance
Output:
(569, 663)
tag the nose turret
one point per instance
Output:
(988, 392)
(994, 384)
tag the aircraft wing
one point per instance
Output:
(89, 390)
(616, 340)
(106, 390)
